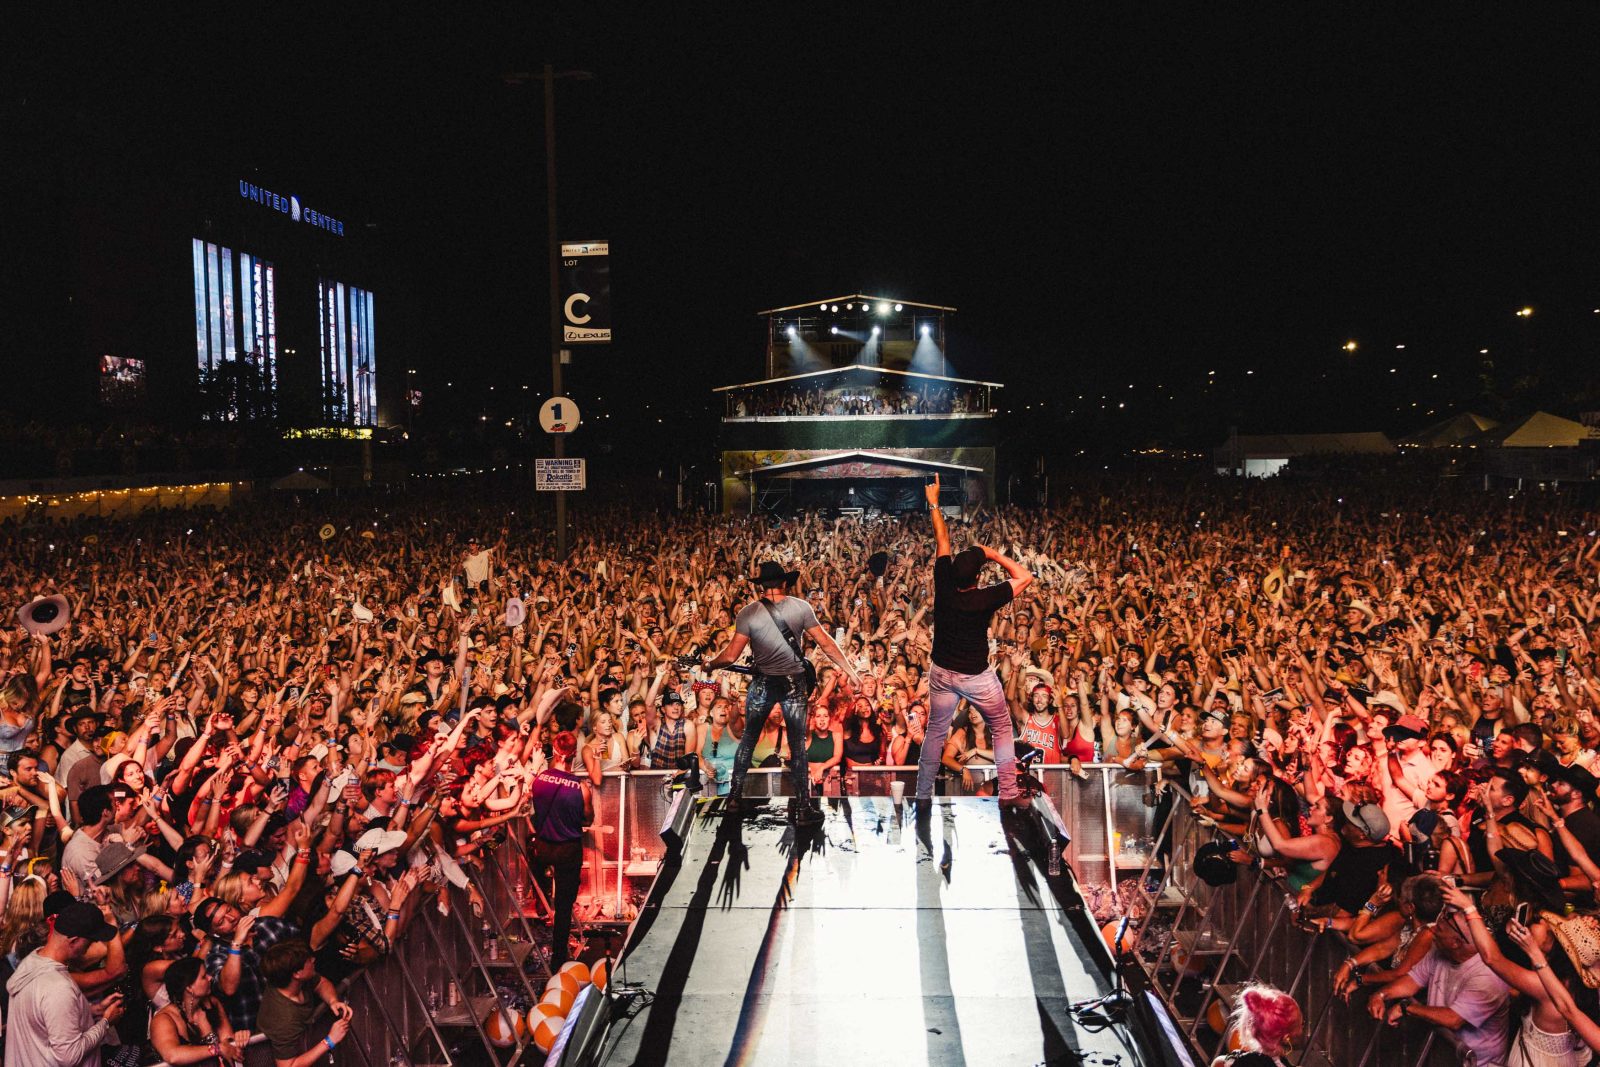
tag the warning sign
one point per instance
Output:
(559, 474)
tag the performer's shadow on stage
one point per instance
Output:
(795, 842)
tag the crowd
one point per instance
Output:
(857, 400)
(251, 755)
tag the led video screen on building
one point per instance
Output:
(235, 328)
(121, 381)
(349, 355)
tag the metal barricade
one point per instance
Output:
(1132, 850)
(1200, 945)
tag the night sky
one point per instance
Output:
(1110, 201)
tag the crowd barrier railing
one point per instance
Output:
(432, 999)
(1199, 945)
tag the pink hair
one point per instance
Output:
(1266, 1018)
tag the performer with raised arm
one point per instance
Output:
(771, 626)
(960, 668)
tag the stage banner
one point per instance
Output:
(586, 292)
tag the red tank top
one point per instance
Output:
(1046, 739)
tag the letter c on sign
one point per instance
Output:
(572, 315)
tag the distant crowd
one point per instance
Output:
(886, 399)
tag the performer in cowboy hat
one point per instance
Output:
(779, 677)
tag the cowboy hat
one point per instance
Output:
(44, 615)
(771, 572)
(113, 858)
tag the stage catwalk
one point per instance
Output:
(876, 938)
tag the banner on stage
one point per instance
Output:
(586, 292)
(552, 475)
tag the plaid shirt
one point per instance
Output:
(243, 1005)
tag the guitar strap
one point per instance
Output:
(788, 636)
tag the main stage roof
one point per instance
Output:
(853, 298)
(861, 457)
(858, 367)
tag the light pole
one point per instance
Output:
(548, 76)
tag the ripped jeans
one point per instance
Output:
(765, 691)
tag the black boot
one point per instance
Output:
(807, 812)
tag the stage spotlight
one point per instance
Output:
(875, 331)
(849, 307)
(926, 329)
(824, 307)
(883, 309)
(793, 332)
(833, 329)
(899, 307)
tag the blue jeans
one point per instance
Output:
(764, 692)
(984, 692)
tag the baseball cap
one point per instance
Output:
(1425, 821)
(965, 566)
(672, 697)
(251, 860)
(1405, 727)
(380, 840)
(84, 920)
(1369, 819)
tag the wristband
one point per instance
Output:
(1559, 824)
(1405, 1008)
(394, 916)
(1537, 966)
(331, 1043)
(235, 950)
(5, 869)
(1370, 908)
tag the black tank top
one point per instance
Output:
(861, 751)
